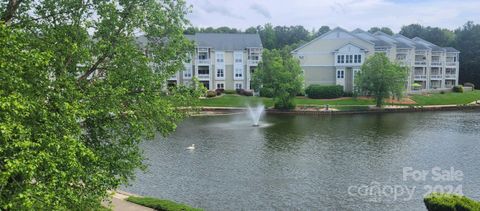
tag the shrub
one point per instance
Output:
(442, 92)
(248, 92)
(229, 91)
(219, 91)
(348, 94)
(211, 93)
(240, 91)
(468, 84)
(449, 202)
(159, 204)
(458, 89)
(301, 93)
(266, 92)
(284, 105)
(327, 92)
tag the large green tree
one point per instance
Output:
(381, 78)
(78, 94)
(468, 43)
(280, 73)
(385, 30)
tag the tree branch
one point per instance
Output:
(10, 11)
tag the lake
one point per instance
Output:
(298, 162)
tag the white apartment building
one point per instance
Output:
(337, 55)
(221, 61)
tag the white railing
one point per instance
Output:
(173, 77)
(449, 85)
(420, 76)
(436, 63)
(420, 62)
(450, 76)
(435, 76)
(203, 61)
(450, 64)
(203, 76)
(253, 62)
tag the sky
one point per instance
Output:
(348, 14)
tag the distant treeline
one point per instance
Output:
(466, 39)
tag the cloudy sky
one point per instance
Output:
(349, 14)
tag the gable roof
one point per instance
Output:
(389, 38)
(451, 50)
(370, 37)
(429, 44)
(417, 46)
(329, 32)
(226, 41)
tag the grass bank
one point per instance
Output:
(161, 204)
(450, 202)
(452, 98)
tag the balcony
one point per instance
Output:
(203, 76)
(173, 77)
(449, 85)
(253, 62)
(436, 77)
(450, 76)
(436, 63)
(451, 64)
(420, 77)
(203, 61)
(421, 63)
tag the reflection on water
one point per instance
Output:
(308, 162)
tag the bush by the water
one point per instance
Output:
(458, 89)
(160, 204)
(324, 92)
(211, 93)
(229, 91)
(266, 92)
(248, 92)
(450, 202)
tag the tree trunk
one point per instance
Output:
(10, 11)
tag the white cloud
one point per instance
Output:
(349, 14)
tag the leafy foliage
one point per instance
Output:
(324, 92)
(281, 73)
(78, 94)
(381, 78)
(449, 202)
(385, 30)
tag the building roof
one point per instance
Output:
(388, 38)
(429, 44)
(451, 50)
(371, 38)
(407, 40)
(226, 41)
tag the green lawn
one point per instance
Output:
(447, 98)
(243, 101)
(161, 204)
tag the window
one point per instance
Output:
(340, 74)
(238, 57)
(349, 59)
(341, 59)
(238, 72)
(203, 71)
(220, 73)
(188, 72)
(220, 86)
(238, 86)
(357, 59)
(238, 60)
(219, 57)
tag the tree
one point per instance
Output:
(385, 30)
(282, 74)
(78, 94)
(381, 78)
(435, 35)
(467, 43)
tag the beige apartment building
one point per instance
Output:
(221, 61)
(337, 55)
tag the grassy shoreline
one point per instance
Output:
(421, 100)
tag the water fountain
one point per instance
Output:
(256, 113)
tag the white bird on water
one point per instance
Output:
(191, 147)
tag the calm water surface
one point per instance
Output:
(312, 162)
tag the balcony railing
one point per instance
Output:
(451, 64)
(203, 61)
(436, 76)
(253, 62)
(420, 76)
(173, 77)
(449, 85)
(435, 63)
(203, 76)
(450, 76)
(420, 62)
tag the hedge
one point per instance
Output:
(324, 92)
(161, 204)
(458, 88)
(449, 202)
(211, 93)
